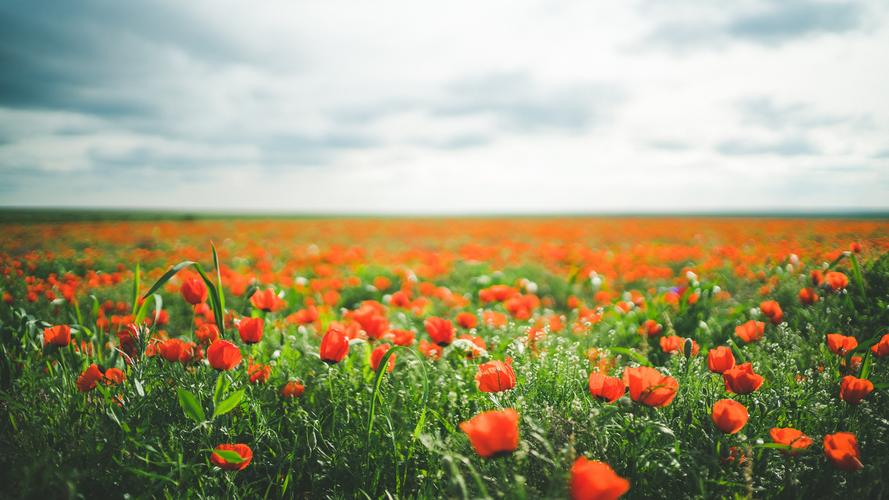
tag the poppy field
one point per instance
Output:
(572, 357)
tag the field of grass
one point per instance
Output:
(431, 358)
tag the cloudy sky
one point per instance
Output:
(446, 107)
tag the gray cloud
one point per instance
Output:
(784, 147)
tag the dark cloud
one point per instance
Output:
(785, 147)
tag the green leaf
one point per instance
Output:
(221, 385)
(642, 360)
(228, 404)
(190, 405)
(165, 278)
(218, 277)
(229, 456)
(137, 277)
(139, 389)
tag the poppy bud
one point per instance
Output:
(729, 416)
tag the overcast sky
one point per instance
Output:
(445, 107)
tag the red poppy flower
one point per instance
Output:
(788, 436)
(649, 387)
(495, 376)
(741, 379)
(836, 280)
(841, 344)
(720, 359)
(729, 416)
(772, 310)
(817, 277)
(493, 432)
(59, 335)
(608, 388)
(194, 291)
(223, 355)
(175, 350)
(250, 330)
(334, 346)
(881, 348)
(207, 333)
(676, 344)
(402, 337)
(429, 349)
(440, 330)
(592, 480)
(853, 390)
(808, 296)
(90, 377)
(267, 300)
(292, 389)
(651, 328)
(114, 376)
(376, 356)
(242, 450)
(842, 450)
(750, 331)
(467, 320)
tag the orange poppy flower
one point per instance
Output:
(649, 387)
(292, 389)
(242, 450)
(495, 376)
(720, 359)
(836, 280)
(741, 379)
(223, 355)
(493, 432)
(334, 346)
(772, 310)
(676, 344)
(841, 344)
(881, 348)
(267, 300)
(440, 330)
(609, 389)
(788, 436)
(842, 450)
(750, 331)
(250, 330)
(59, 335)
(729, 416)
(853, 390)
(194, 291)
(593, 480)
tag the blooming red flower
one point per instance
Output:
(90, 377)
(836, 280)
(194, 291)
(175, 350)
(750, 331)
(493, 432)
(788, 436)
(650, 387)
(402, 337)
(495, 376)
(841, 344)
(808, 296)
(676, 344)
(429, 349)
(772, 310)
(855, 247)
(259, 373)
(59, 335)
(651, 328)
(292, 389)
(729, 416)
(223, 355)
(608, 388)
(467, 320)
(267, 300)
(881, 348)
(207, 333)
(376, 356)
(720, 359)
(853, 390)
(114, 376)
(592, 480)
(334, 346)
(440, 330)
(842, 450)
(250, 330)
(741, 379)
(242, 450)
